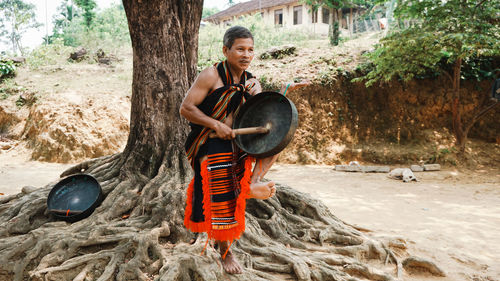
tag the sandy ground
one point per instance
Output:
(448, 216)
(17, 171)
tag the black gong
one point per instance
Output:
(74, 197)
(271, 110)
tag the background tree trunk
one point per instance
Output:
(461, 132)
(13, 34)
(456, 114)
(340, 17)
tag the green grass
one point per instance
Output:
(9, 87)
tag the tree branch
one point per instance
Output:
(480, 114)
(448, 75)
(477, 6)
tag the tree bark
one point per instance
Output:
(164, 37)
(334, 28)
(456, 114)
(340, 17)
(460, 131)
(477, 117)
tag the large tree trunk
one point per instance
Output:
(137, 233)
(165, 41)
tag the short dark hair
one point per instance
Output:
(234, 33)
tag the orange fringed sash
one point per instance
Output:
(241, 202)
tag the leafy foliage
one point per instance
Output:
(7, 69)
(336, 4)
(67, 11)
(19, 17)
(480, 68)
(88, 14)
(441, 37)
(209, 11)
(334, 32)
(109, 29)
(440, 33)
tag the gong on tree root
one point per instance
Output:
(74, 197)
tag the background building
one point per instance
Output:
(285, 13)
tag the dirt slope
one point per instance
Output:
(80, 110)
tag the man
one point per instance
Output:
(223, 178)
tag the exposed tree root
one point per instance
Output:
(137, 234)
(419, 265)
(84, 166)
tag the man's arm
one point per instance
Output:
(205, 81)
(290, 86)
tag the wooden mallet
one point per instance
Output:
(247, 131)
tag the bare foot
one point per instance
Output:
(229, 263)
(262, 190)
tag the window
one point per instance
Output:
(314, 16)
(297, 15)
(326, 15)
(278, 17)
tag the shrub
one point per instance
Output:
(109, 31)
(51, 54)
(7, 69)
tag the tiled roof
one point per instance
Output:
(247, 7)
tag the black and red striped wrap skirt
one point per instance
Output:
(216, 196)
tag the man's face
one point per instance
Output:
(240, 54)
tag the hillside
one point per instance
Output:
(67, 112)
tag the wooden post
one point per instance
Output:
(378, 22)
(350, 22)
(366, 26)
(340, 17)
